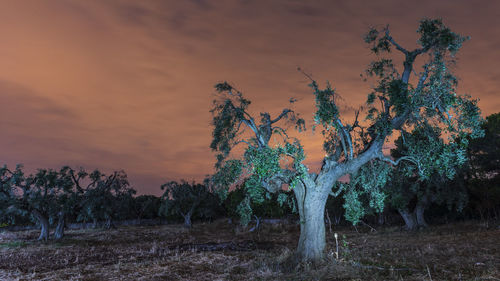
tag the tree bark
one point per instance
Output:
(419, 211)
(311, 205)
(419, 216)
(381, 219)
(409, 218)
(59, 233)
(187, 219)
(44, 223)
(109, 224)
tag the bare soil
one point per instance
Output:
(219, 251)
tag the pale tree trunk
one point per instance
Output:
(187, 219)
(311, 204)
(409, 218)
(59, 233)
(189, 214)
(44, 223)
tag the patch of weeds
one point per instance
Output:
(346, 252)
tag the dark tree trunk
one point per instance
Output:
(409, 218)
(59, 233)
(44, 223)
(419, 211)
(94, 223)
(311, 205)
(109, 224)
(419, 216)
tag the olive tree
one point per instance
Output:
(36, 195)
(103, 196)
(185, 199)
(402, 100)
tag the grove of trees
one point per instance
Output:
(444, 155)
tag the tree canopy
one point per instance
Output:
(412, 98)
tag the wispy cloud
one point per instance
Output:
(126, 84)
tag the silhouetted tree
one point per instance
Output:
(103, 197)
(146, 206)
(34, 195)
(484, 173)
(184, 199)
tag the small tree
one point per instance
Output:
(183, 199)
(397, 103)
(102, 197)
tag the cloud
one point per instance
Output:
(126, 84)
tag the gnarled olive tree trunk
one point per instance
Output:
(44, 223)
(419, 211)
(311, 204)
(59, 233)
(109, 223)
(409, 219)
(415, 219)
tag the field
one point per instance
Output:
(219, 251)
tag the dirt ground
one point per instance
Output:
(218, 251)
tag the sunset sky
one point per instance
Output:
(128, 85)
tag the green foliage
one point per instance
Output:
(263, 168)
(228, 114)
(239, 205)
(366, 190)
(435, 35)
(227, 175)
(434, 173)
(379, 44)
(326, 109)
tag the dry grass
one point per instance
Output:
(453, 252)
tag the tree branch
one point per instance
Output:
(393, 42)
(384, 158)
(348, 138)
(284, 113)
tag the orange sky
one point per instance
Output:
(128, 84)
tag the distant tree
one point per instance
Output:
(146, 206)
(103, 197)
(484, 174)
(183, 199)
(412, 189)
(34, 195)
(397, 103)
(66, 200)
